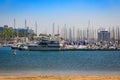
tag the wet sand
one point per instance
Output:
(57, 77)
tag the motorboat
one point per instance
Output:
(45, 45)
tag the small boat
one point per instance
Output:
(23, 47)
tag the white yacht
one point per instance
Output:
(45, 45)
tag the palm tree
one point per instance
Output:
(1, 36)
(31, 36)
(8, 33)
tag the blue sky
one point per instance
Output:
(101, 13)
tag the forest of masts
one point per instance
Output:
(89, 34)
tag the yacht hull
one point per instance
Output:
(39, 48)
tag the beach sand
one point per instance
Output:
(58, 77)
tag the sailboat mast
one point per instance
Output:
(88, 30)
(70, 35)
(73, 33)
(36, 27)
(14, 23)
(14, 27)
(113, 35)
(53, 29)
(25, 32)
(118, 37)
(65, 32)
(110, 34)
(58, 29)
(25, 24)
(58, 34)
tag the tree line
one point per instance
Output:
(8, 35)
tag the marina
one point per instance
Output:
(105, 40)
(60, 40)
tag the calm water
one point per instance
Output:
(60, 62)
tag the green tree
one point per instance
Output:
(1, 36)
(8, 33)
(31, 36)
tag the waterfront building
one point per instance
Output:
(103, 35)
(5, 26)
(1, 29)
(21, 30)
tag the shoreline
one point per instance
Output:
(58, 77)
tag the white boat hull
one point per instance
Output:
(39, 48)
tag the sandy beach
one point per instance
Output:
(58, 77)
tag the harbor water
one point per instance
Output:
(59, 62)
